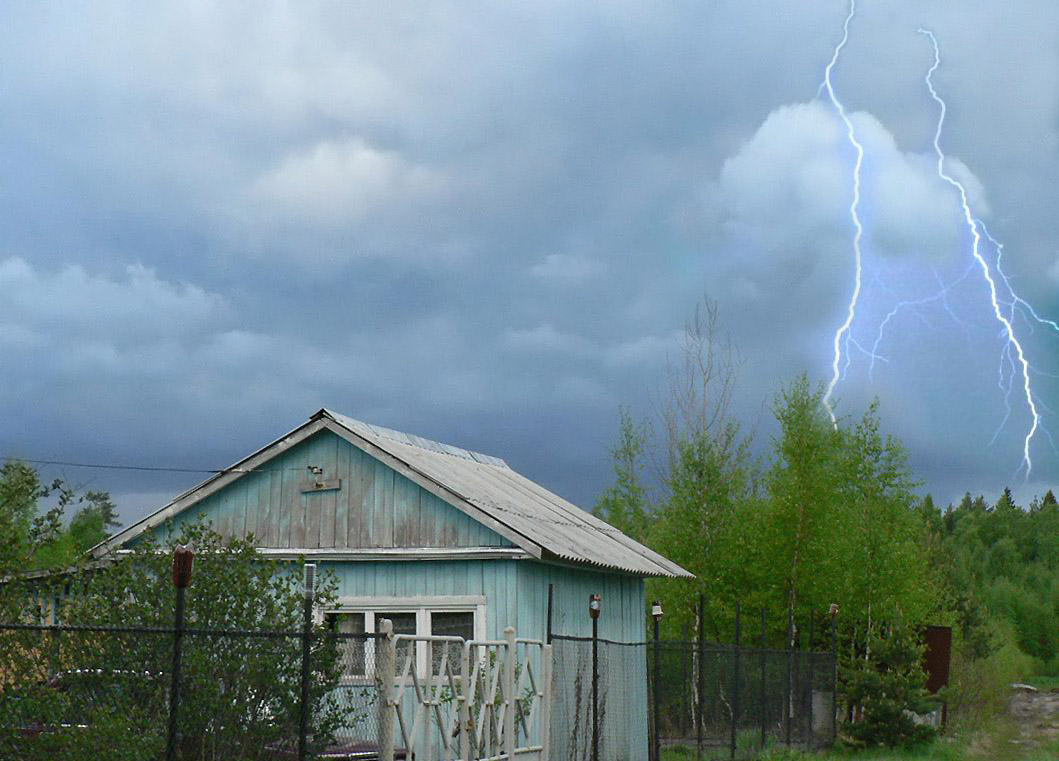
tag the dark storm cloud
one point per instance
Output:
(487, 224)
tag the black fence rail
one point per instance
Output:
(721, 701)
(67, 689)
(713, 701)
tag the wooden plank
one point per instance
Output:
(407, 509)
(434, 487)
(342, 497)
(361, 499)
(382, 512)
(275, 498)
(322, 485)
(212, 485)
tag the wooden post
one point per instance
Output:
(546, 702)
(509, 695)
(385, 676)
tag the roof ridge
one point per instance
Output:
(414, 440)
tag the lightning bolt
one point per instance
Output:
(1016, 300)
(941, 295)
(1008, 329)
(854, 215)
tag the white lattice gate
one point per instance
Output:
(476, 700)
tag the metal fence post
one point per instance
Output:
(735, 682)
(655, 683)
(764, 687)
(182, 562)
(509, 695)
(309, 583)
(834, 673)
(810, 671)
(546, 703)
(385, 674)
(788, 707)
(701, 681)
(593, 612)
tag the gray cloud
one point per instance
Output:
(487, 223)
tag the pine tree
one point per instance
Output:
(887, 690)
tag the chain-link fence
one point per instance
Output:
(711, 701)
(621, 687)
(240, 694)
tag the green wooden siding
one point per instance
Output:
(374, 508)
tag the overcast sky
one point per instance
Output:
(486, 223)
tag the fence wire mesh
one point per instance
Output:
(67, 689)
(622, 694)
(713, 701)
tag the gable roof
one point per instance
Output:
(484, 487)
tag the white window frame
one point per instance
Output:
(422, 607)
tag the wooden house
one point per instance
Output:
(439, 539)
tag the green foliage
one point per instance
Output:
(624, 505)
(886, 687)
(241, 692)
(32, 515)
(1001, 577)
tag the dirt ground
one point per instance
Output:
(1036, 714)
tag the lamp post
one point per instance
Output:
(593, 612)
(833, 613)
(309, 591)
(183, 559)
(656, 614)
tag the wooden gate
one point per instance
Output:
(476, 700)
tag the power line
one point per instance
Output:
(148, 468)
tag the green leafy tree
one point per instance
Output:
(624, 504)
(805, 528)
(241, 691)
(34, 533)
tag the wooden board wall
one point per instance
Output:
(375, 506)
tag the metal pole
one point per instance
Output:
(182, 562)
(735, 681)
(834, 679)
(788, 712)
(307, 624)
(595, 689)
(701, 691)
(656, 679)
(174, 685)
(809, 672)
(303, 726)
(764, 665)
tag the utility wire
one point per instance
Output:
(148, 468)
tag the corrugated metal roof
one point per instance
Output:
(559, 527)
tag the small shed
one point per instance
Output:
(439, 539)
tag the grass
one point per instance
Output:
(1044, 682)
(999, 741)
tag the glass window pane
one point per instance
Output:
(403, 623)
(351, 649)
(450, 624)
